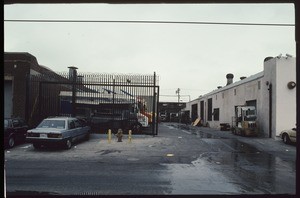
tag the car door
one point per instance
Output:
(79, 129)
(71, 131)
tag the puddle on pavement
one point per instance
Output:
(242, 147)
(242, 167)
(198, 178)
(199, 134)
(258, 171)
(233, 173)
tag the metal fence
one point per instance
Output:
(104, 100)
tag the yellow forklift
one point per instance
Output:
(244, 121)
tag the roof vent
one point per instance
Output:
(229, 79)
(243, 77)
(268, 58)
(219, 87)
(72, 73)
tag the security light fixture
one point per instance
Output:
(291, 85)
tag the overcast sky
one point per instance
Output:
(194, 58)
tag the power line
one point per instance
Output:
(145, 22)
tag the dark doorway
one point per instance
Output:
(194, 112)
(209, 109)
(202, 110)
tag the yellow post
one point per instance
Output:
(109, 136)
(129, 136)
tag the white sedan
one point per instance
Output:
(289, 136)
(58, 131)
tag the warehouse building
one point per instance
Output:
(18, 67)
(22, 73)
(271, 91)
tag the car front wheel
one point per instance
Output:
(68, 144)
(11, 142)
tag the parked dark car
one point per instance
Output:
(14, 131)
(58, 131)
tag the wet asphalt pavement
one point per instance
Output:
(181, 160)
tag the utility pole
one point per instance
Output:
(178, 93)
(179, 114)
(73, 79)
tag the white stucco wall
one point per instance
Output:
(269, 79)
(285, 110)
(278, 72)
(226, 98)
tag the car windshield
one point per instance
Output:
(60, 124)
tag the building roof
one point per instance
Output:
(26, 57)
(235, 84)
(19, 56)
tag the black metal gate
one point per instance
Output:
(106, 101)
